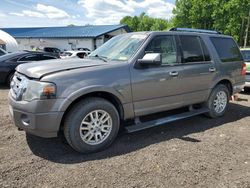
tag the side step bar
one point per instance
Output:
(161, 121)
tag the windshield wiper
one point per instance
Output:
(103, 58)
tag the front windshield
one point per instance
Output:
(246, 55)
(119, 48)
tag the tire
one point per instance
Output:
(9, 79)
(219, 90)
(247, 89)
(80, 117)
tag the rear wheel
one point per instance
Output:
(91, 125)
(218, 101)
(247, 89)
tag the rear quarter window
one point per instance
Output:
(227, 49)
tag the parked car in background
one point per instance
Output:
(74, 54)
(129, 77)
(52, 50)
(83, 49)
(2, 52)
(9, 62)
(246, 55)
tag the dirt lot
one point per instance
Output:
(197, 152)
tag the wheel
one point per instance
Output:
(218, 101)
(247, 89)
(91, 125)
(9, 79)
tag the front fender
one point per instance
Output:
(84, 91)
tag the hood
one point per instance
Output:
(42, 68)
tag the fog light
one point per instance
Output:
(25, 120)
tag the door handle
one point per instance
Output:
(212, 69)
(174, 73)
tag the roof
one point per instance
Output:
(243, 49)
(88, 31)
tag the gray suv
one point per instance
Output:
(128, 78)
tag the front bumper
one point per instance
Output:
(44, 124)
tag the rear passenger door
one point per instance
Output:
(199, 71)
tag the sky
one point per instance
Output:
(42, 13)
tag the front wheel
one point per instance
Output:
(91, 125)
(218, 101)
(9, 79)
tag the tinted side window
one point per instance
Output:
(80, 55)
(30, 58)
(166, 46)
(46, 57)
(226, 49)
(192, 49)
(1, 53)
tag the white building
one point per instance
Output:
(65, 38)
(7, 42)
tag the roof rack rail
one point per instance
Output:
(195, 30)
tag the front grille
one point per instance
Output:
(18, 86)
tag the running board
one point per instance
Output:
(161, 121)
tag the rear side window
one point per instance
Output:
(193, 49)
(30, 58)
(46, 57)
(227, 49)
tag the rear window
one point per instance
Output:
(193, 49)
(227, 49)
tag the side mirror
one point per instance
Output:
(151, 59)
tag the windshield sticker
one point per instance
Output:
(123, 58)
(138, 36)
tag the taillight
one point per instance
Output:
(244, 69)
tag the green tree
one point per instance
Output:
(227, 16)
(145, 23)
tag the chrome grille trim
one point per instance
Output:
(18, 86)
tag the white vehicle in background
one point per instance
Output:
(2, 52)
(246, 55)
(7, 42)
(74, 54)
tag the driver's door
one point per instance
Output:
(158, 88)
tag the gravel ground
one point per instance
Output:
(196, 152)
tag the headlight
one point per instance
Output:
(39, 90)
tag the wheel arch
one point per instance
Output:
(112, 98)
(11, 72)
(228, 83)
